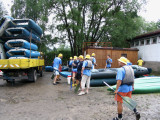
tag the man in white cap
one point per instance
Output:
(125, 84)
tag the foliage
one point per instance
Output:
(78, 21)
(49, 56)
(96, 21)
(146, 26)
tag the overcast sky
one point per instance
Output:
(150, 12)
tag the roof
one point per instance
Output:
(114, 48)
(147, 34)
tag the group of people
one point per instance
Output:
(81, 73)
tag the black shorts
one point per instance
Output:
(78, 77)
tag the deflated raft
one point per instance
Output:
(20, 43)
(22, 53)
(145, 85)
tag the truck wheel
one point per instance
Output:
(32, 75)
(41, 73)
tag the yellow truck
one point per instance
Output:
(21, 69)
(24, 30)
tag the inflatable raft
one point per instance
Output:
(18, 58)
(2, 52)
(65, 74)
(4, 23)
(103, 73)
(22, 53)
(20, 43)
(108, 75)
(64, 68)
(48, 68)
(145, 85)
(28, 24)
(21, 33)
(99, 82)
(111, 72)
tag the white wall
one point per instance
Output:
(149, 52)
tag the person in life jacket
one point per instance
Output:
(79, 68)
(93, 59)
(108, 62)
(125, 84)
(86, 75)
(74, 70)
(56, 65)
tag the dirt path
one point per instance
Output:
(43, 101)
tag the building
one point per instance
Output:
(102, 51)
(149, 49)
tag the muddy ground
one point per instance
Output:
(44, 101)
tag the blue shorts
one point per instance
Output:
(74, 70)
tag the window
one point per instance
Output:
(137, 43)
(124, 55)
(154, 40)
(147, 41)
(142, 42)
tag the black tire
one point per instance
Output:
(32, 75)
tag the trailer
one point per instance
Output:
(20, 65)
(21, 69)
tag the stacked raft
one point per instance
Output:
(20, 37)
(145, 85)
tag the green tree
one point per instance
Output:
(147, 26)
(78, 21)
(96, 21)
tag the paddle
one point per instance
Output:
(128, 102)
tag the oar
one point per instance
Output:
(128, 102)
